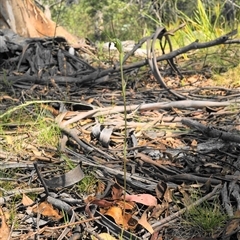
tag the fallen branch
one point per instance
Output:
(152, 60)
(149, 106)
(156, 226)
(212, 132)
(193, 46)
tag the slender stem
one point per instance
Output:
(125, 125)
(118, 45)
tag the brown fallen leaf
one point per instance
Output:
(116, 191)
(161, 189)
(26, 201)
(100, 188)
(145, 199)
(159, 209)
(126, 205)
(116, 213)
(102, 203)
(231, 228)
(46, 209)
(143, 221)
(4, 229)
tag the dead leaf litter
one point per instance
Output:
(182, 148)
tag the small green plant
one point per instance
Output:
(200, 26)
(101, 119)
(6, 185)
(13, 219)
(206, 217)
(70, 165)
(48, 133)
(88, 184)
(4, 80)
(65, 217)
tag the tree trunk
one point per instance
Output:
(27, 20)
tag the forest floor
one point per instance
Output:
(63, 171)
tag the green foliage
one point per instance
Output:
(88, 184)
(199, 26)
(118, 19)
(49, 133)
(77, 20)
(32, 118)
(131, 20)
(206, 217)
(126, 19)
(13, 220)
